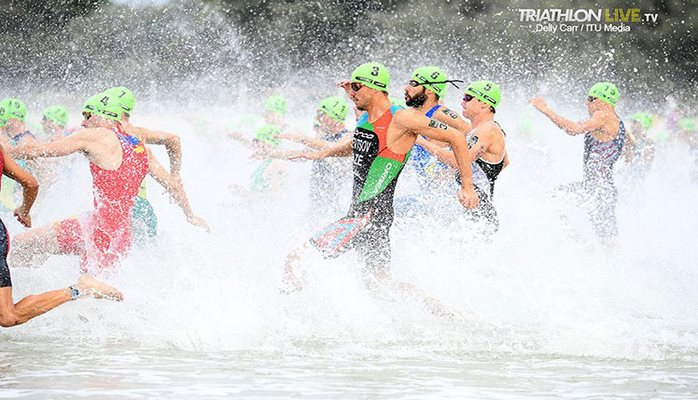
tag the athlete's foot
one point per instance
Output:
(90, 286)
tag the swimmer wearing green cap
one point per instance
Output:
(486, 147)
(604, 135)
(54, 121)
(143, 212)
(380, 147)
(119, 162)
(13, 117)
(424, 92)
(326, 176)
(639, 149)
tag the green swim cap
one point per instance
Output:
(268, 134)
(486, 91)
(431, 74)
(334, 107)
(606, 92)
(123, 96)
(276, 104)
(373, 75)
(12, 108)
(687, 124)
(57, 114)
(643, 118)
(92, 104)
(108, 107)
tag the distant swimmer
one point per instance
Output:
(639, 149)
(604, 135)
(54, 122)
(13, 117)
(13, 114)
(380, 147)
(486, 148)
(11, 313)
(326, 176)
(270, 175)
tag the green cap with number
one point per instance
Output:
(334, 107)
(606, 92)
(12, 108)
(485, 91)
(57, 114)
(124, 97)
(432, 78)
(373, 75)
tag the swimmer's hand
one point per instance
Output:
(198, 221)
(538, 103)
(468, 197)
(23, 217)
(344, 84)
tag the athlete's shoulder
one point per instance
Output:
(490, 128)
(448, 112)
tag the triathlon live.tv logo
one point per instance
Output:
(584, 20)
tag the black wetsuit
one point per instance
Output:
(598, 184)
(5, 280)
(484, 176)
(366, 226)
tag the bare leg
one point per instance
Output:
(37, 304)
(34, 246)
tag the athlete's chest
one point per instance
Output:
(365, 146)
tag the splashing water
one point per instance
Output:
(538, 307)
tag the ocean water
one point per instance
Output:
(540, 311)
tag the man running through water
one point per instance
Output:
(424, 92)
(486, 144)
(380, 147)
(13, 116)
(604, 134)
(11, 313)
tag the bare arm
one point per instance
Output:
(441, 153)
(452, 119)
(80, 141)
(30, 188)
(412, 121)
(237, 136)
(174, 189)
(570, 127)
(314, 143)
(172, 143)
(341, 149)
